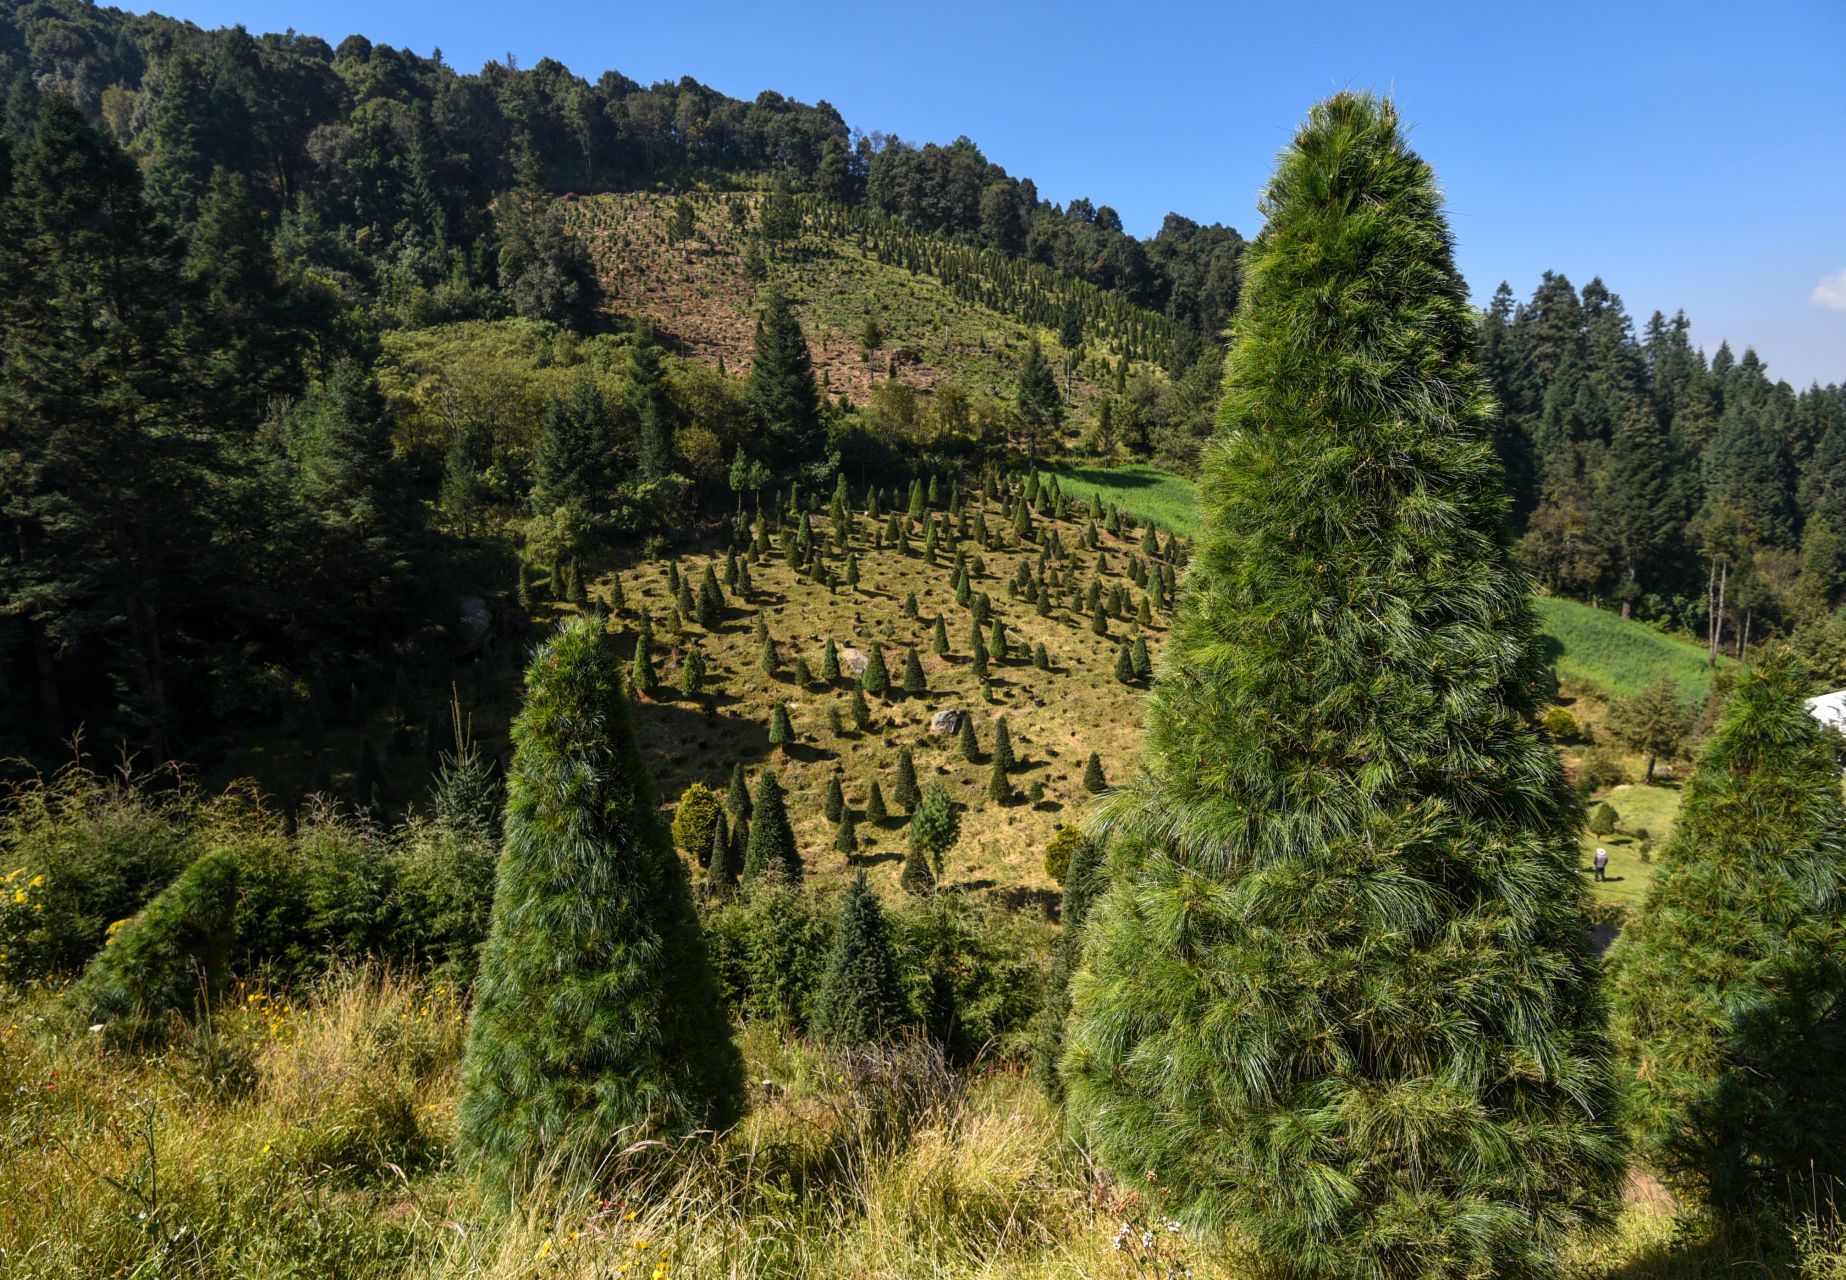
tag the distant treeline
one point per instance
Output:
(411, 151)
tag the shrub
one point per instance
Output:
(698, 811)
(85, 852)
(969, 980)
(1093, 780)
(1603, 819)
(769, 949)
(905, 792)
(1560, 724)
(1599, 770)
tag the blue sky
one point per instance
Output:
(1693, 154)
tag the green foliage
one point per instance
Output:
(78, 853)
(915, 684)
(861, 998)
(771, 853)
(830, 662)
(970, 745)
(1726, 982)
(999, 786)
(905, 792)
(1003, 746)
(1083, 880)
(1603, 819)
(1560, 724)
(1059, 851)
(1093, 780)
(595, 1016)
(834, 801)
(935, 826)
(1654, 723)
(782, 393)
(781, 731)
(968, 979)
(697, 815)
(1344, 819)
(876, 678)
(875, 811)
(917, 879)
(769, 949)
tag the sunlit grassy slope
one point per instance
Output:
(1597, 647)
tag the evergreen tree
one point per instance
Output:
(720, 860)
(1037, 401)
(596, 1020)
(915, 684)
(999, 786)
(781, 392)
(1727, 982)
(1124, 663)
(710, 607)
(781, 732)
(834, 801)
(970, 746)
(875, 811)
(861, 998)
(939, 639)
(917, 879)
(641, 676)
(691, 671)
(830, 662)
(1143, 664)
(1346, 1070)
(1654, 723)
(875, 679)
(935, 826)
(771, 851)
(1083, 880)
(737, 796)
(861, 711)
(1041, 659)
(845, 834)
(1003, 745)
(905, 792)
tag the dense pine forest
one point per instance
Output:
(606, 680)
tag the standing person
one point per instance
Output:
(1602, 862)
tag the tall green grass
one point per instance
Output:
(1147, 493)
(1594, 646)
(1588, 645)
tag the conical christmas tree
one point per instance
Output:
(861, 998)
(1727, 984)
(596, 1020)
(770, 852)
(1335, 996)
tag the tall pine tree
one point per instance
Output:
(1335, 995)
(596, 1019)
(1729, 984)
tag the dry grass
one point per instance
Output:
(309, 1139)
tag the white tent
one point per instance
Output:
(1829, 709)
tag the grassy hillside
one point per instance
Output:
(1056, 717)
(699, 291)
(1147, 492)
(1621, 658)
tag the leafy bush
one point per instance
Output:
(769, 948)
(1560, 724)
(969, 978)
(1598, 771)
(1059, 851)
(78, 853)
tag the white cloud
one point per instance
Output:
(1830, 292)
